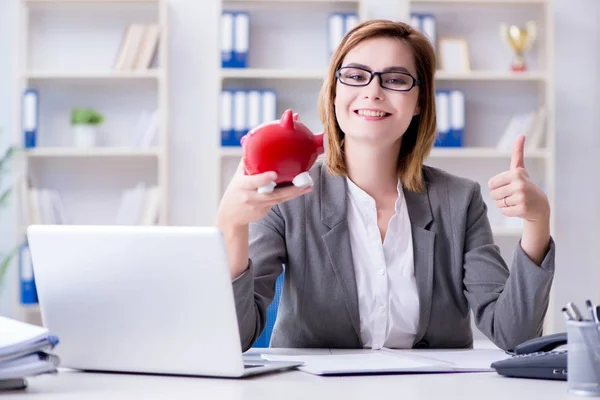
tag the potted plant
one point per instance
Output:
(85, 123)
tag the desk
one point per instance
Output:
(288, 385)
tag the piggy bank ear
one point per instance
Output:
(295, 116)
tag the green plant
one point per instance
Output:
(86, 116)
(5, 260)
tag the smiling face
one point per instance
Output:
(373, 114)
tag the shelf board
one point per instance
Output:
(64, 152)
(484, 2)
(89, 1)
(30, 308)
(292, 1)
(50, 75)
(319, 74)
(490, 76)
(439, 152)
(265, 73)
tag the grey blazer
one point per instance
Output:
(457, 267)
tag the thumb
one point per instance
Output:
(516, 160)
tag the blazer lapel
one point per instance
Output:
(419, 211)
(337, 241)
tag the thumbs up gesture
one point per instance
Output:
(516, 194)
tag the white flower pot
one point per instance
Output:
(85, 135)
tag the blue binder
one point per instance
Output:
(28, 288)
(30, 117)
(235, 40)
(265, 338)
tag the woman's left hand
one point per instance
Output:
(516, 194)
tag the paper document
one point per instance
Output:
(371, 362)
(18, 338)
(24, 351)
(395, 361)
(468, 360)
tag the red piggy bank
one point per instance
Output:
(285, 146)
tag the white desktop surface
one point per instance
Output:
(288, 385)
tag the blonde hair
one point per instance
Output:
(419, 138)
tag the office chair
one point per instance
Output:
(265, 337)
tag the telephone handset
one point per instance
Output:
(537, 358)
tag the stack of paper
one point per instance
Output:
(25, 350)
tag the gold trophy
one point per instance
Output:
(519, 39)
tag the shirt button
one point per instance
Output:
(381, 271)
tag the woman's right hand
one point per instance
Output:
(241, 203)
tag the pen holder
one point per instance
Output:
(583, 358)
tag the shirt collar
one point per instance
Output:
(364, 199)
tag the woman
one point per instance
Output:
(383, 251)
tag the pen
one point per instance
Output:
(568, 316)
(574, 311)
(592, 311)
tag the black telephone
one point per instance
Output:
(536, 358)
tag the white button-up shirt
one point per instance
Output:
(388, 300)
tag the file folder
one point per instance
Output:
(227, 133)
(457, 118)
(28, 289)
(426, 24)
(254, 112)
(241, 42)
(336, 26)
(227, 40)
(442, 105)
(351, 22)
(30, 117)
(239, 116)
(269, 105)
(235, 39)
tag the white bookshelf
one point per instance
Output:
(493, 92)
(74, 67)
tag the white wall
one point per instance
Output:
(8, 30)
(578, 141)
(194, 118)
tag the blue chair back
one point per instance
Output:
(265, 337)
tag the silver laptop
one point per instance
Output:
(145, 299)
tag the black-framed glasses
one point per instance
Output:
(356, 76)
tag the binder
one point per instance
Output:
(254, 109)
(239, 117)
(335, 31)
(241, 41)
(426, 24)
(268, 106)
(28, 288)
(442, 106)
(30, 117)
(351, 22)
(235, 39)
(457, 118)
(227, 40)
(226, 117)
